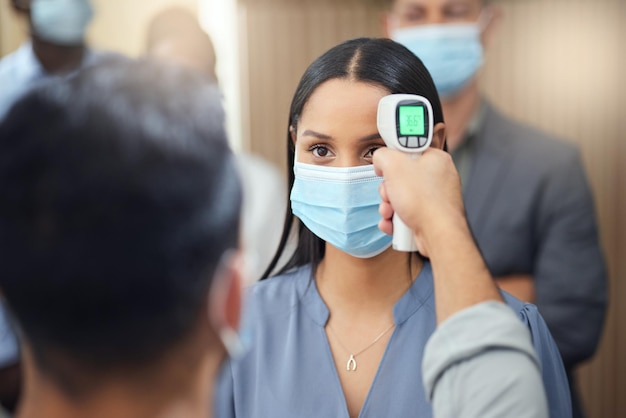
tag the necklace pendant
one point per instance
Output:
(351, 366)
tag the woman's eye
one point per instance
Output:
(320, 151)
(370, 152)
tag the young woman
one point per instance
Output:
(340, 331)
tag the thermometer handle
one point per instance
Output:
(403, 238)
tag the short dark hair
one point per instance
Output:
(377, 61)
(119, 197)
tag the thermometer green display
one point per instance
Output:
(411, 120)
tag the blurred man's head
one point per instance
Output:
(59, 22)
(423, 12)
(448, 35)
(174, 35)
(119, 218)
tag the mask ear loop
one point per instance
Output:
(230, 338)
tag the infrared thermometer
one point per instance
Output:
(405, 122)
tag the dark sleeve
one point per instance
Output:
(569, 270)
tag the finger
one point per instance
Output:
(386, 226)
(382, 190)
(380, 160)
(385, 210)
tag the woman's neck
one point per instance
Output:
(370, 286)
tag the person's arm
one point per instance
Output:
(432, 206)
(481, 363)
(465, 359)
(569, 271)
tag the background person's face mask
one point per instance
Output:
(452, 53)
(340, 206)
(62, 22)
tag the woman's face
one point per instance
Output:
(338, 124)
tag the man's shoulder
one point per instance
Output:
(9, 62)
(524, 141)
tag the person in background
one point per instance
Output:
(56, 47)
(527, 198)
(119, 234)
(175, 36)
(341, 329)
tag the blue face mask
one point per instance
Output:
(62, 22)
(340, 206)
(452, 53)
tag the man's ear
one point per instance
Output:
(492, 20)
(439, 135)
(385, 24)
(225, 295)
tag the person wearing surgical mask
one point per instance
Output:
(56, 47)
(340, 330)
(527, 197)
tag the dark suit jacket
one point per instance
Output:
(531, 211)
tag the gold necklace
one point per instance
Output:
(351, 364)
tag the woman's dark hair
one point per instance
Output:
(380, 62)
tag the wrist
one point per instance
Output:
(444, 229)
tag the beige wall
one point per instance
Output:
(12, 29)
(120, 25)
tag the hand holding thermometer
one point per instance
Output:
(405, 122)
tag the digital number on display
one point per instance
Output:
(411, 120)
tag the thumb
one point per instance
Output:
(381, 160)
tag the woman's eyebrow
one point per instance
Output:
(325, 137)
(318, 135)
(371, 137)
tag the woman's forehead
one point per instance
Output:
(340, 98)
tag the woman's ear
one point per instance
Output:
(293, 134)
(439, 135)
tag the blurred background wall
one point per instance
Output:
(558, 64)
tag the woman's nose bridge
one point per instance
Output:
(348, 159)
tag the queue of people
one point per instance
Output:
(120, 226)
